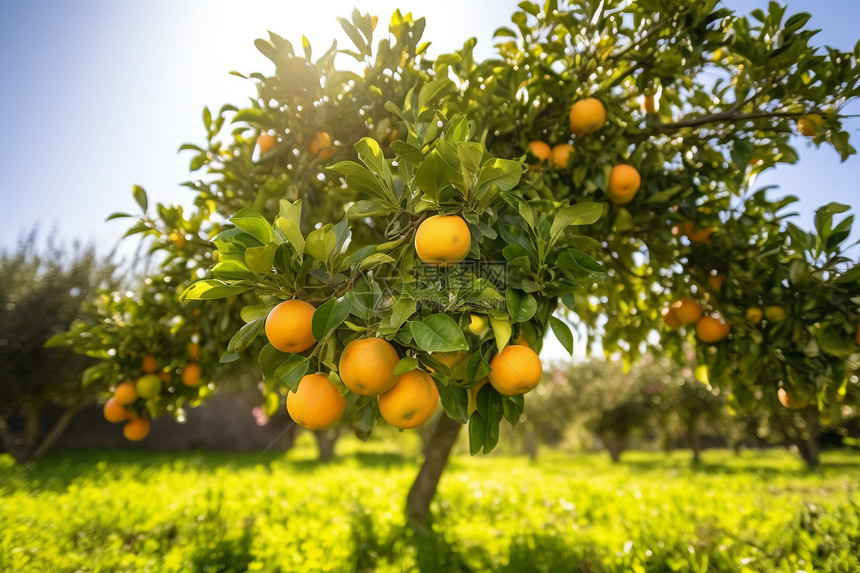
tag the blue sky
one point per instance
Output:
(98, 95)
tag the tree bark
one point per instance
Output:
(530, 442)
(694, 438)
(57, 430)
(326, 440)
(436, 458)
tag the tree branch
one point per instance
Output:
(731, 115)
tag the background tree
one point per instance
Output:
(41, 292)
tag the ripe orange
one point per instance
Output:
(411, 402)
(320, 145)
(710, 329)
(669, 317)
(149, 365)
(687, 229)
(148, 386)
(515, 370)
(473, 395)
(191, 374)
(136, 429)
(443, 240)
(754, 314)
(857, 337)
(624, 182)
(687, 310)
(716, 281)
(810, 125)
(649, 104)
(587, 116)
(115, 412)
(125, 393)
(288, 326)
(194, 351)
(561, 155)
(164, 377)
(540, 150)
(266, 142)
(367, 366)
(316, 404)
(790, 401)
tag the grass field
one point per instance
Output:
(128, 511)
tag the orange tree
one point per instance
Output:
(358, 192)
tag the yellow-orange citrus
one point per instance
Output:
(473, 395)
(587, 116)
(316, 404)
(775, 313)
(148, 365)
(136, 429)
(477, 324)
(687, 310)
(669, 317)
(148, 386)
(540, 150)
(191, 374)
(716, 281)
(687, 229)
(515, 370)
(288, 326)
(178, 239)
(367, 366)
(443, 240)
(320, 145)
(561, 155)
(809, 125)
(164, 377)
(790, 401)
(624, 182)
(115, 412)
(754, 314)
(857, 337)
(266, 142)
(710, 329)
(411, 402)
(125, 393)
(194, 351)
(649, 104)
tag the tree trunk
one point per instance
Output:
(436, 458)
(30, 445)
(58, 429)
(694, 439)
(326, 440)
(530, 442)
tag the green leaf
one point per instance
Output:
(579, 214)
(364, 417)
(290, 232)
(251, 313)
(374, 261)
(433, 90)
(140, 197)
(405, 365)
(211, 289)
(574, 259)
(367, 208)
(432, 175)
(245, 336)
(254, 224)
(513, 407)
(502, 332)
(484, 423)
(233, 270)
(521, 307)
(261, 259)
(328, 317)
(563, 333)
(117, 215)
(438, 333)
(455, 401)
(291, 371)
(321, 243)
(502, 172)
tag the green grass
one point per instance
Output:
(128, 511)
